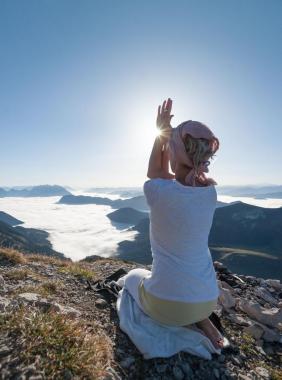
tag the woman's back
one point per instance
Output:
(180, 221)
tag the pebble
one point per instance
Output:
(186, 369)
(216, 373)
(101, 303)
(66, 310)
(127, 362)
(262, 372)
(243, 377)
(29, 297)
(2, 281)
(4, 302)
(177, 373)
(161, 368)
(221, 358)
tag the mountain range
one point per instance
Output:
(139, 202)
(34, 191)
(29, 240)
(247, 238)
(258, 192)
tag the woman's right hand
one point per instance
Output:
(163, 119)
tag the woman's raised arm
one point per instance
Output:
(159, 159)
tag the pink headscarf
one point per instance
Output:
(178, 154)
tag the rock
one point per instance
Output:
(216, 373)
(177, 373)
(186, 369)
(5, 350)
(101, 303)
(243, 377)
(254, 330)
(221, 358)
(269, 350)
(225, 285)
(2, 281)
(44, 304)
(276, 284)
(271, 317)
(127, 362)
(219, 266)
(269, 335)
(161, 368)
(225, 297)
(66, 374)
(4, 303)
(265, 295)
(218, 309)
(262, 372)
(260, 349)
(66, 310)
(29, 297)
(236, 318)
(236, 360)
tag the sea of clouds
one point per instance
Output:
(83, 230)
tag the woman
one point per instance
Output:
(182, 287)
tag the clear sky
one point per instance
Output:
(80, 83)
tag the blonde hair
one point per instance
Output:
(198, 149)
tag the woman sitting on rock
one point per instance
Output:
(182, 287)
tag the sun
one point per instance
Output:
(157, 133)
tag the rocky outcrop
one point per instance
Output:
(249, 309)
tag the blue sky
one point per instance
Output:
(80, 83)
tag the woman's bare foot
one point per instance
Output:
(211, 332)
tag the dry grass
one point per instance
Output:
(57, 344)
(48, 260)
(12, 256)
(275, 373)
(248, 344)
(79, 270)
(22, 274)
(46, 288)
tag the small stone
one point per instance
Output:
(237, 361)
(177, 373)
(127, 362)
(260, 349)
(186, 369)
(101, 303)
(269, 350)
(4, 302)
(67, 375)
(262, 372)
(274, 283)
(161, 368)
(66, 310)
(216, 373)
(221, 358)
(2, 281)
(255, 330)
(29, 297)
(5, 350)
(243, 377)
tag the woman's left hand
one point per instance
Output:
(163, 119)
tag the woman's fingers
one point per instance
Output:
(164, 117)
(163, 106)
(166, 106)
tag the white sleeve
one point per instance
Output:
(151, 190)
